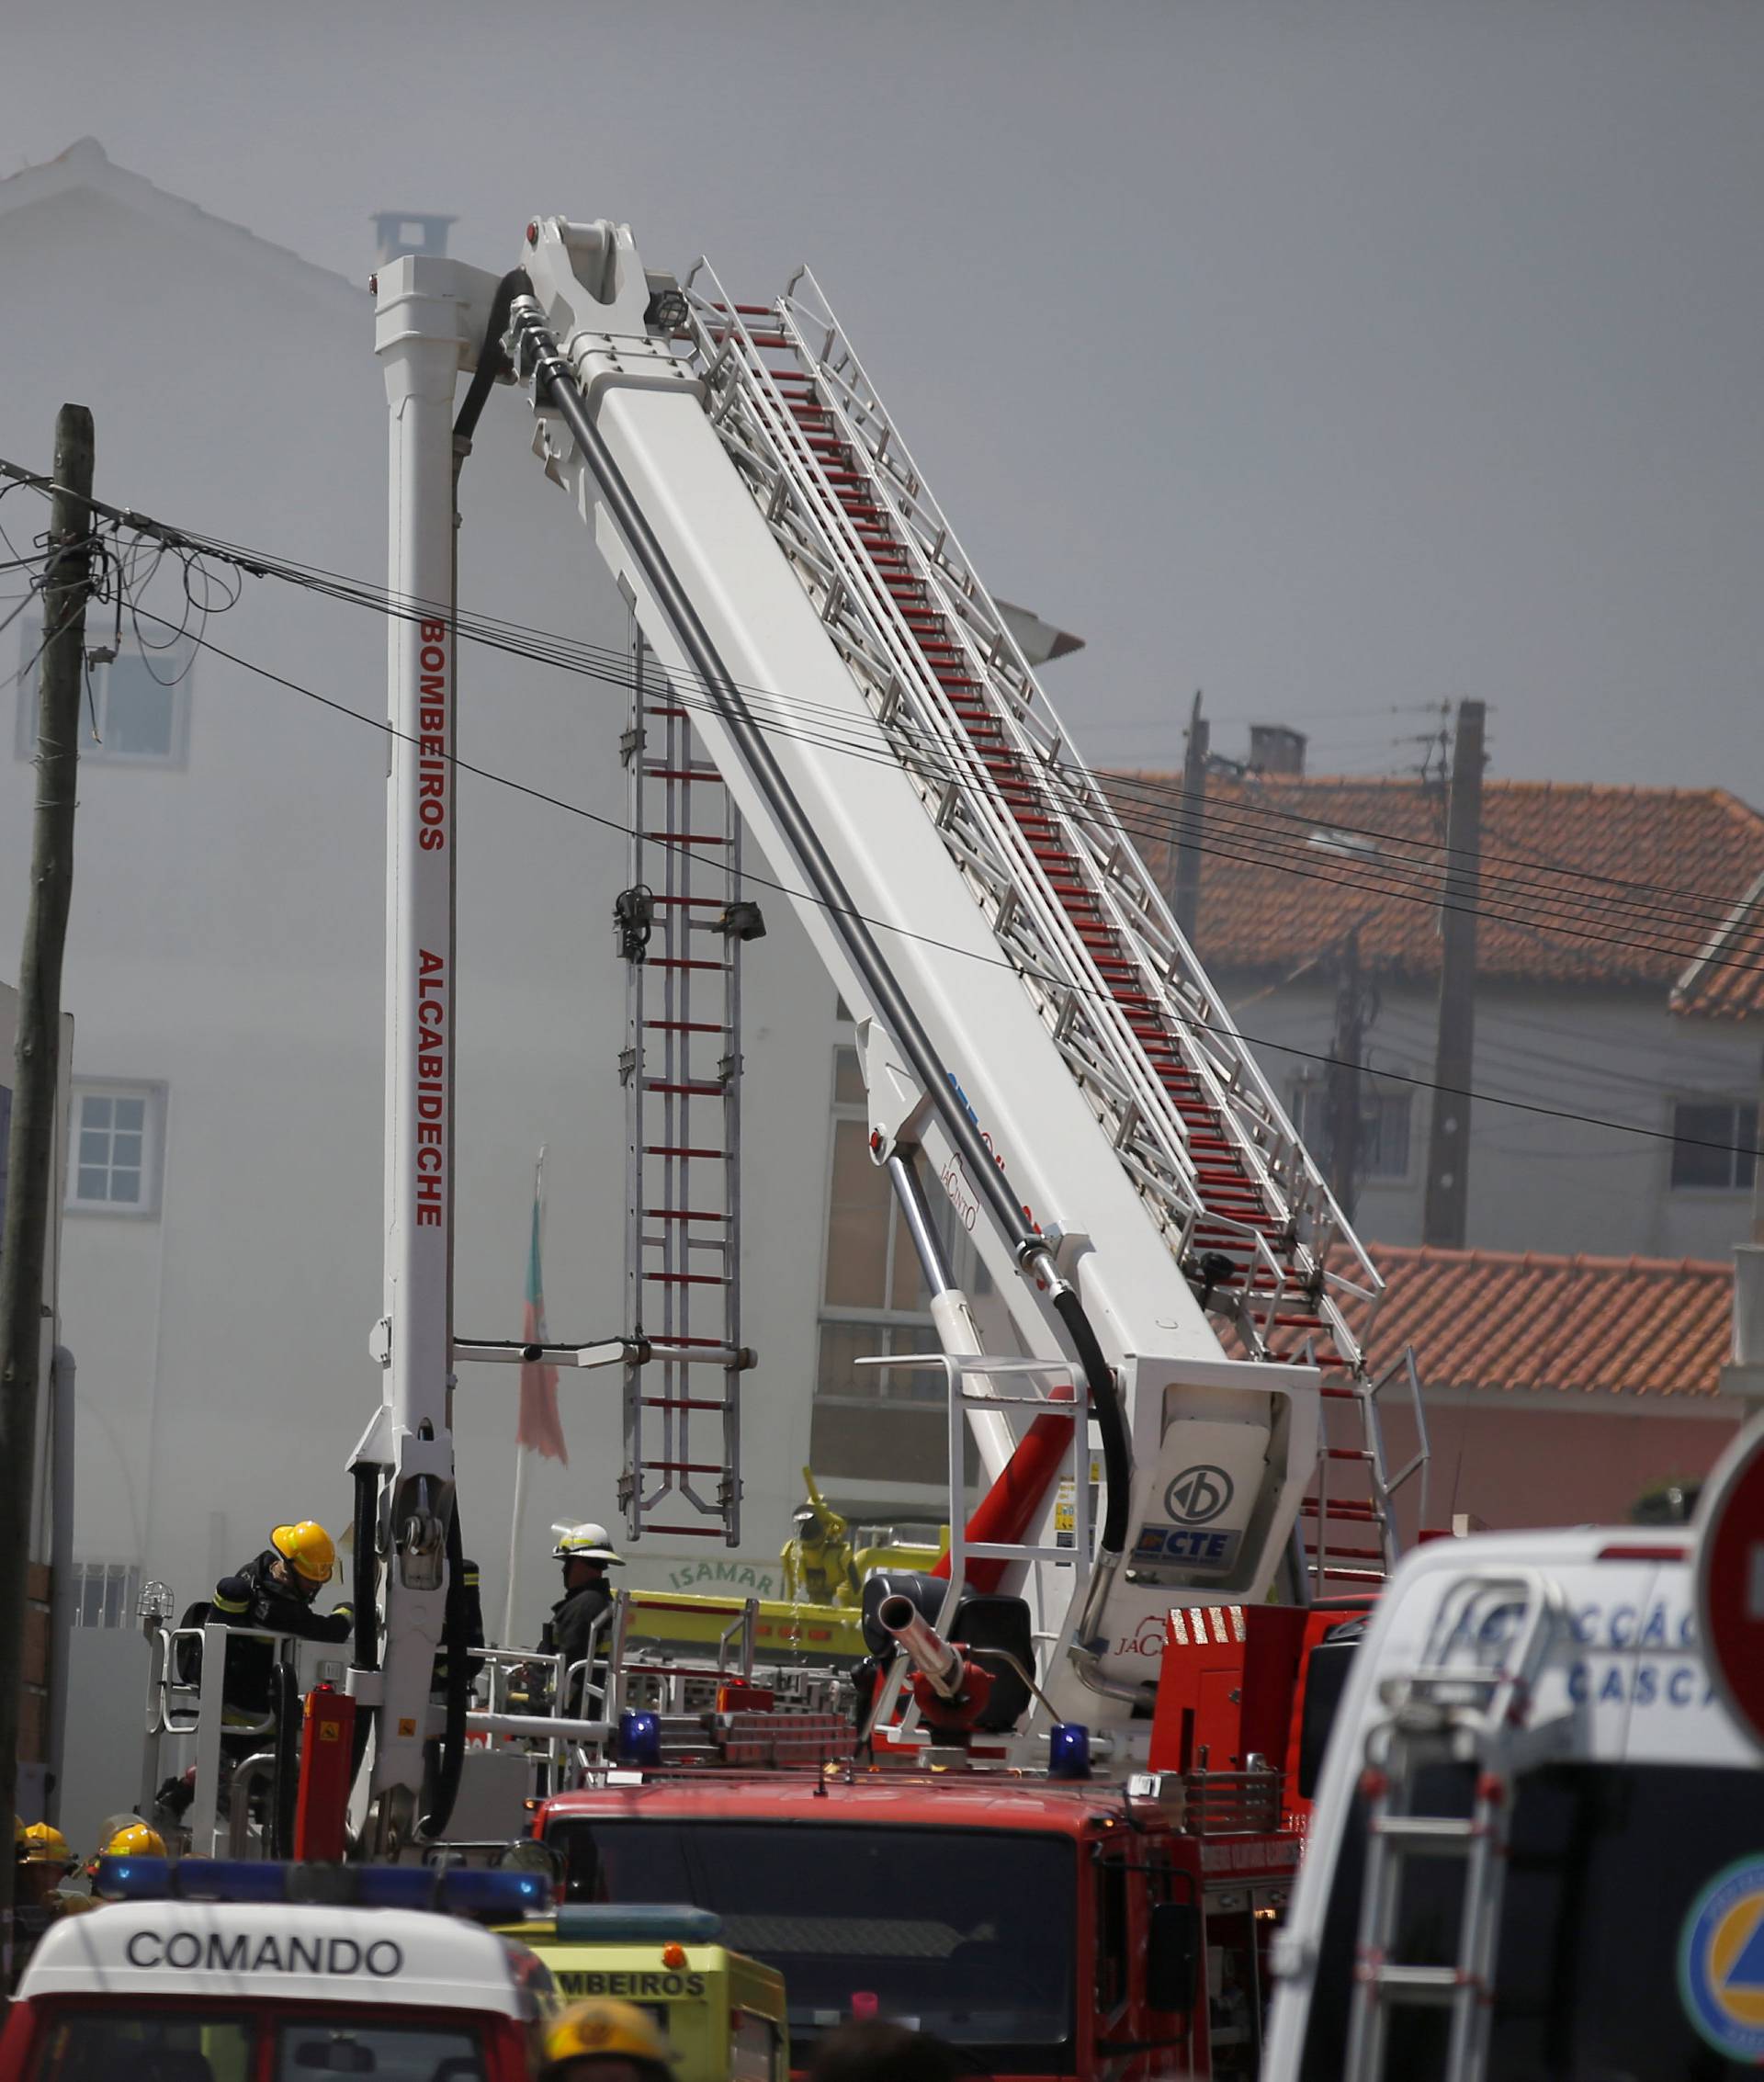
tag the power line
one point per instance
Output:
(1399, 879)
(545, 646)
(386, 728)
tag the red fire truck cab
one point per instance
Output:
(1044, 1926)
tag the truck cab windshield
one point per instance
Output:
(966, 1933)
(1606, 1862)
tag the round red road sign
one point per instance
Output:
(1729, 1575)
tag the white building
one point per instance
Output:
(1618, 978)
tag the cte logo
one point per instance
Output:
(1198, 1495)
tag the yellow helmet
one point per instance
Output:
(45, 1845)
(613, 2030)
(137, 1840)
(309, 1547)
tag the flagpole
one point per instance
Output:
(515, 1547)
(518, 1513)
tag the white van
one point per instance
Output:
(1537, 1848)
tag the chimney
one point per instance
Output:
(1273, 749)
(399, 232)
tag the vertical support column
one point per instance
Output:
(418, 340)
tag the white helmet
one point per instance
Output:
(585, 1543)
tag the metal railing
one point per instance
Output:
(1320, 1256)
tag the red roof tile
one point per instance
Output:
(1581, 884)
(1504, 1319)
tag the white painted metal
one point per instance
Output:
(1008, 1012)
(422, 335)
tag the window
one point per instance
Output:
(136, 710)
(872, 1292)
(983, 1960)
(105, 1593)
(119, 1130)
(1384, 1126)
(1716, 1137)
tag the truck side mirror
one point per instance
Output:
(1172, 1954)
(1325, 1678)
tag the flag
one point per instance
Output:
(540, 1430)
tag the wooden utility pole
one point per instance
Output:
(1187, 823)
(1341, 1089)
(1444, 1214)
(29, 1184)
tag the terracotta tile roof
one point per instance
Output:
(1725, 980)
(1504, 1319)
(1581, 884)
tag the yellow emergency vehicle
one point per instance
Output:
(723, 2013)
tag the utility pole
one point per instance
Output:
(1187, 823)
(28, 1211)
(1448, 1142)
(1341, 1089)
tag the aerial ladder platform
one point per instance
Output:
(1038, 1042)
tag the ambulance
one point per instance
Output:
(1536, 1852)
(722, 2013)
(262, 1972)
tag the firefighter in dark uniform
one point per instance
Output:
(274, 1594)
(586, 1554)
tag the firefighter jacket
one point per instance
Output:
(566, 1631)
(253, 1598)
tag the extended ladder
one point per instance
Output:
(1193, 1120)
(1468, 1705)
(682, 923)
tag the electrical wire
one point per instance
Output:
(1241, 818)
(1402, 881)
(382, 726)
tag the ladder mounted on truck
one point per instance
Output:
(1468, 1706)
(1192, 1118)
(682, 923)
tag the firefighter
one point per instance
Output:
(586, 1554)
(817, 1559)
(124, 1836)
(40, 1863)
(274, 1594)
(605, 2042)
(872, 2050)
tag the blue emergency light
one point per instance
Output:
(1068, 1750)
(502, 1895)
(638, 1922)
(639, 1737)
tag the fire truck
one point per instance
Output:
(1173, 1409)
(1083, 1731)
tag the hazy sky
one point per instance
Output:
(1336, 356)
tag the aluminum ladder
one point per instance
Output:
(1469, 1704)
(682, 923)
(1188, 1111)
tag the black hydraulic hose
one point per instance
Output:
(1105, 1406)
(555, 384)
(285, 1778)
(492, 356)
(366, 1598)
(453, 1636)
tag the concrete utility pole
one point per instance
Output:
(1448, 1143)
(28, 1211)
(1341, 1089)
(1187, 824)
